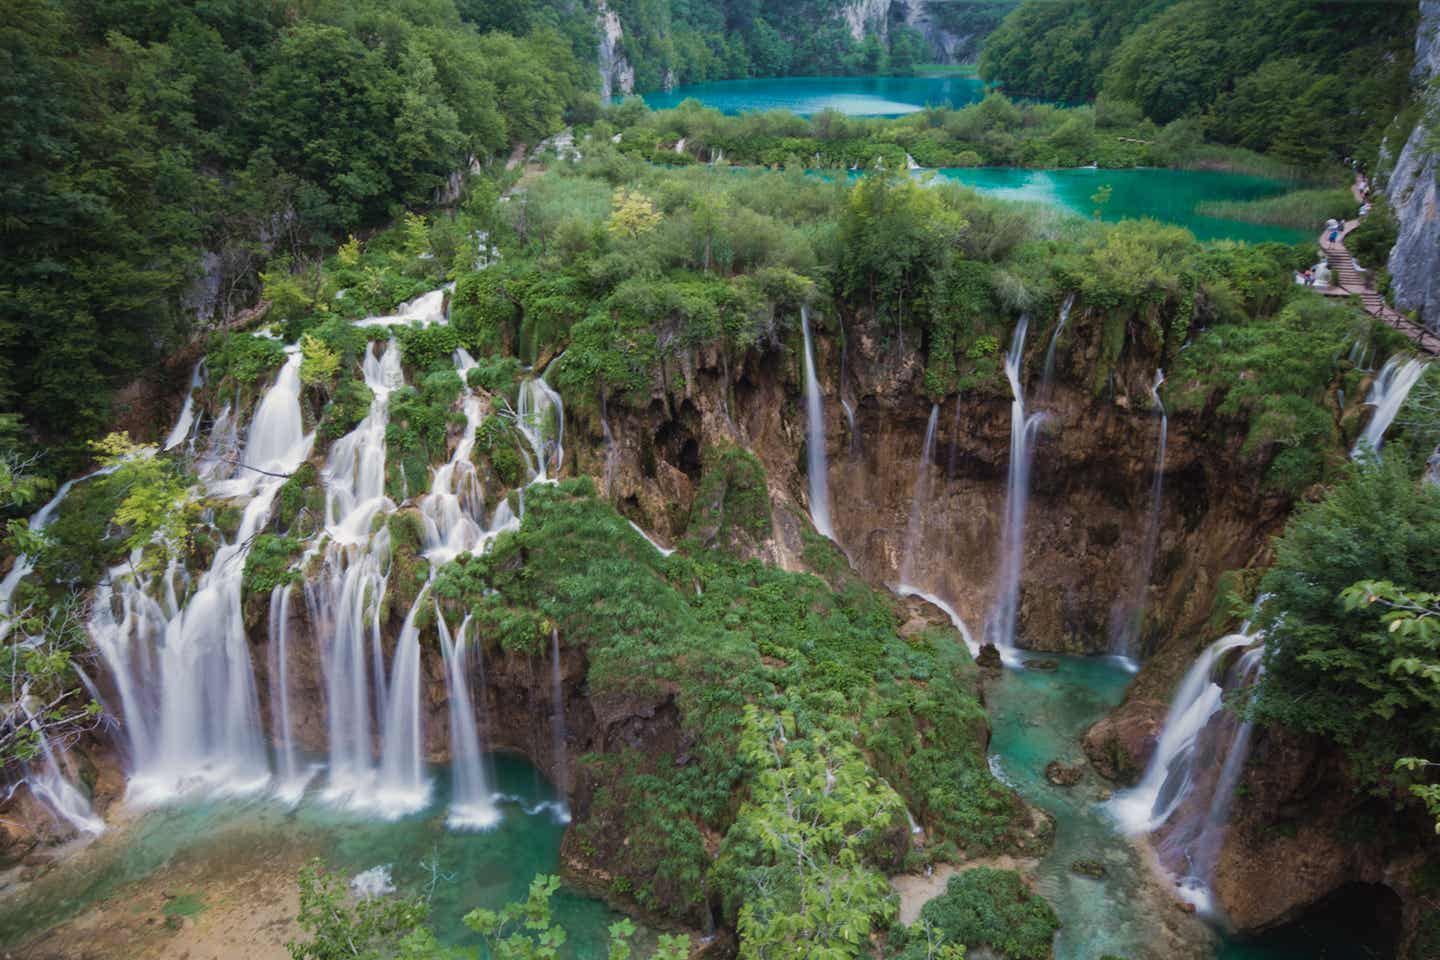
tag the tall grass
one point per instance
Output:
(1299, 209)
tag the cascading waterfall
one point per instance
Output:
(292, 782)
(1048, 379)
(184, 674)
(1387, 396)
(541, 420)
(918, 500)
(815, 438)
(1023, 429)
(472, 805)
(1170, 776)
(1199, 847)
(185, 423)
(1127, 630)
(557, 716)
(402, 786)
(53, 788)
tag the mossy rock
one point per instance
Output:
(731, 511)
(1089, 868)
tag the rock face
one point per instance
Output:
(1301, 835)
(1415, 260)
(875, 16)
(617, 77)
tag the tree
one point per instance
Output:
(634, 214)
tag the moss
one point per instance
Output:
(732, 505)
(349, 404)
(497, 447)
(415, 437)
(80, 542)
(301, 492)
(269, 563)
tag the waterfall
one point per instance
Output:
(557, 717)
(402, 786)
(918, 500)
(1387, 396)
(850, 425)
(1048, 379)
(970, 642)
(662, 550)
(1170, 776)
(1203, 852)
(1001, 628)
(472, 804)
(815, 438)
(1127, 631)
(292, 782)
(38, 522)
(181, 431)
(910, 163)
(185, 678)
(54, 789)
(541, 420)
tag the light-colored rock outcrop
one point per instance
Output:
(617, 76)
(1412, 193)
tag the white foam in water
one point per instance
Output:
(373, 883)
(1387, 396)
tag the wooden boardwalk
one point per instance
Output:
(1349, 280)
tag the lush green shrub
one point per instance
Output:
(268, 564)
(985, 907)
(242, 358)
(349, 404)
(1371, 242)
(1328, 668)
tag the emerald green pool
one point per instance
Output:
(854, 96)
(1039, 716)
(486, 869)
(1171, 196)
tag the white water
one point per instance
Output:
(38, 522)
(1203, 851)
(1170, 775)
(293, 780)
(472, 804)
(186, 683)
(815, 438)
(918, 500)
(541, 420)
(1387, 396)
(1000, 630)
(663, 551)
(402, 786)
(970, 642)
(52, 787)
(1048, 379)
(181, 431)
(557, 717)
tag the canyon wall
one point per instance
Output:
(1411, 190)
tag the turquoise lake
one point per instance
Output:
(854, 96)
(1171, 196)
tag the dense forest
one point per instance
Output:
(159, 155)
(1307, 81)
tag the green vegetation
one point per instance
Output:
(1350, 659)
(744, 651)
(1309, 83)
(385, 927)
(269, 563)
(1301, 209)
(142, 133)
(1277, 373)
(415, 436)
(985, 907)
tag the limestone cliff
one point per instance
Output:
(617, 76)
(1411, 190)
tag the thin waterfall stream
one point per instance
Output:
(1001, 628)
(816, 466)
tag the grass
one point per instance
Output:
(1213, 156)
(1301, 209)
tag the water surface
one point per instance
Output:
(854, 96)
(472, 869)
(1171, 196)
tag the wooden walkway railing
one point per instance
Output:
(1349, 280)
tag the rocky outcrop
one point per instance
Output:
(617, 76)
(1301, 834)
(876, 16)
(1415, 260)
